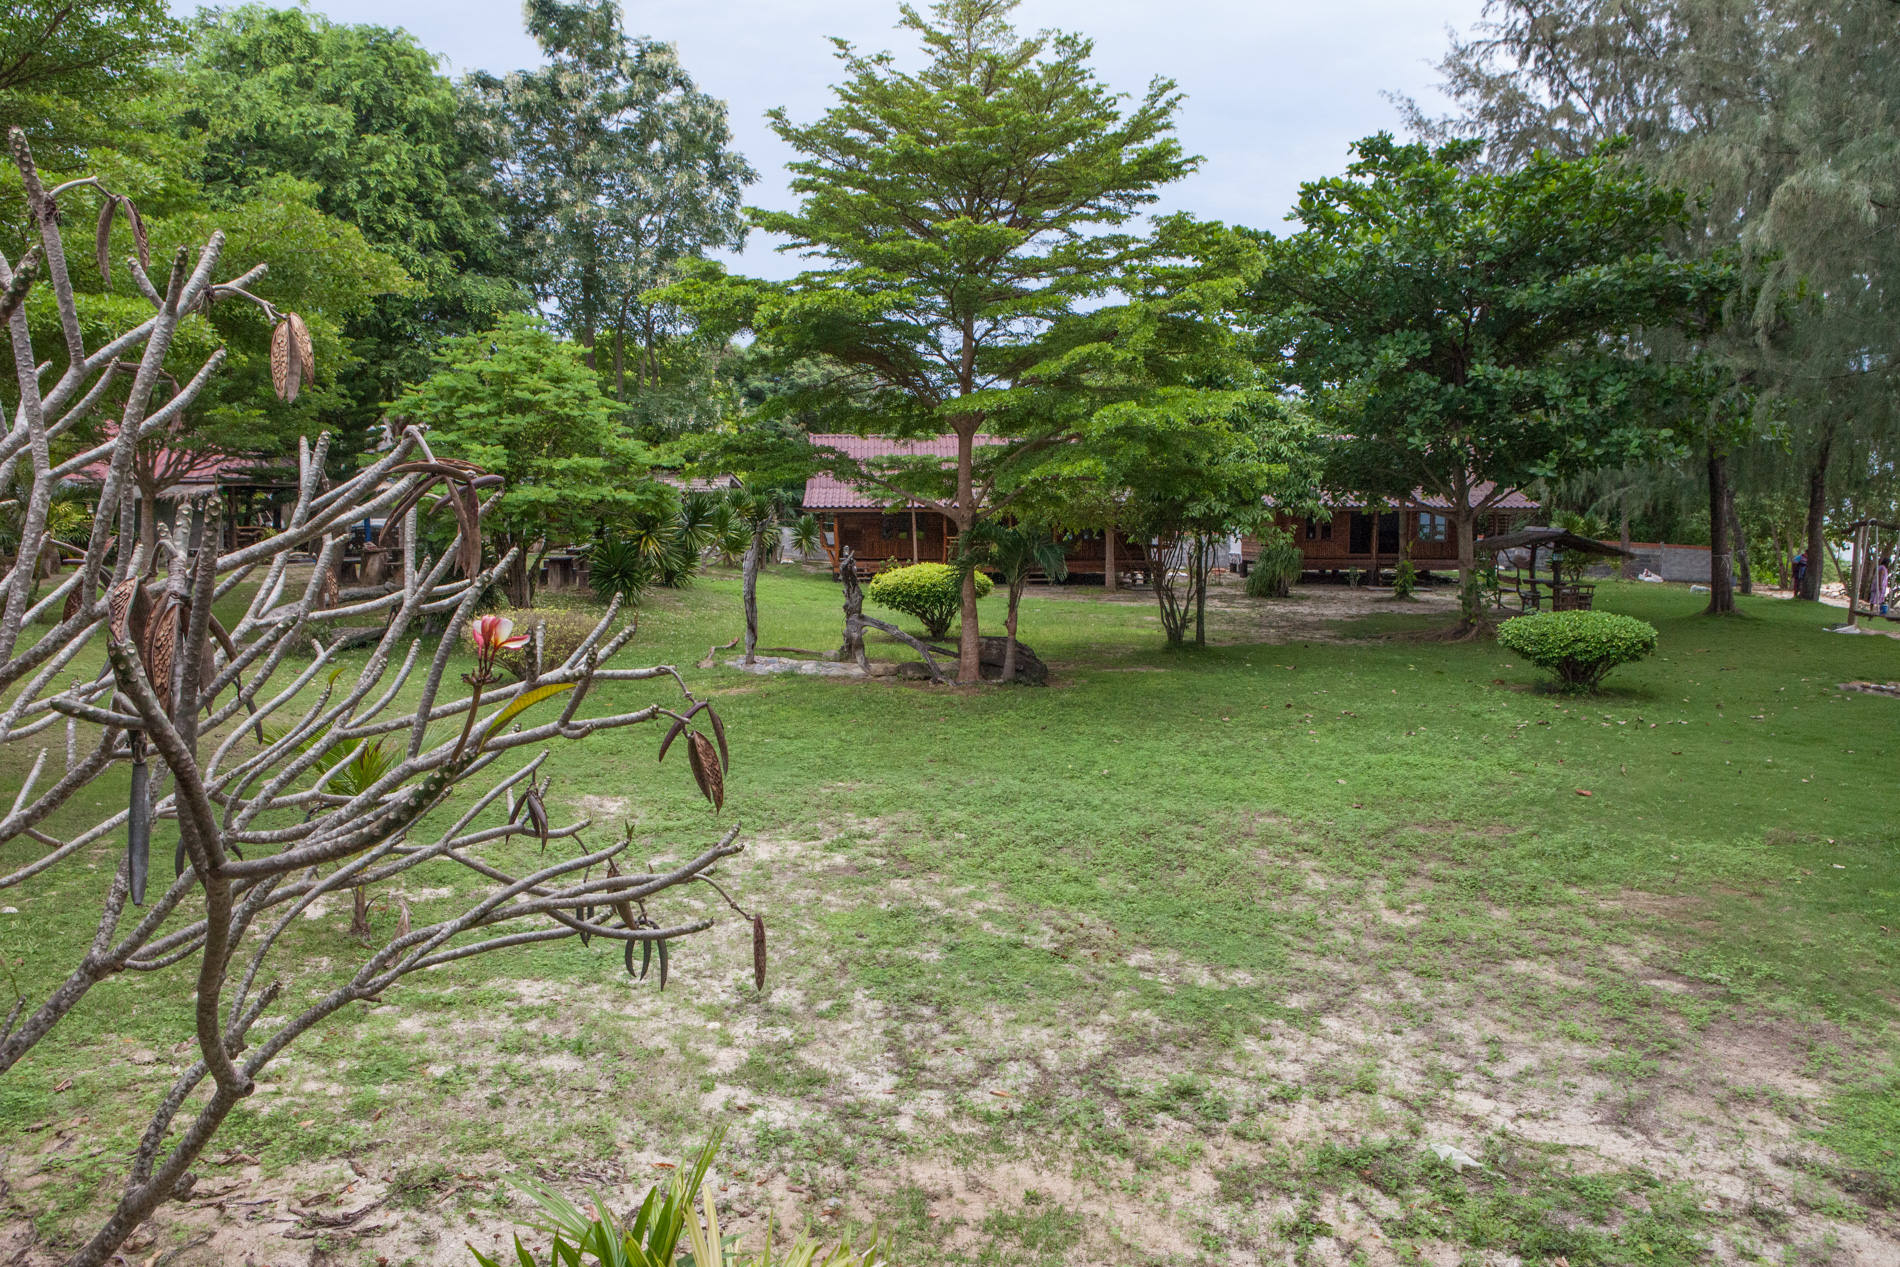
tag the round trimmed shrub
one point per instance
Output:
(1579, 647)
(932, 592)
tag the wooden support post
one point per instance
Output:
(1372, 574)
(1110, 581)
(913, 532)
(1853, 586)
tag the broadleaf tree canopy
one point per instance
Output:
(520, 402)
(1456, 329)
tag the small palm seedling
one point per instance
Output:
(616, 566)
(807, 535)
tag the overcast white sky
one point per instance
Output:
(1276, 89)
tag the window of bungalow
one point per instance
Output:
(896, 527)
(1431, 527)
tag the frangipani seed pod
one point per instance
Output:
(300, 340)
(622, 908)
(102, 243)
(140, 241)
(719, 733)
(705, 763)
(758, 952)
(128, 611)
(138, 827)
(537, 815)
(286, 364)
(161, 639)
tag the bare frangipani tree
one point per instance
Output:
(262, 831)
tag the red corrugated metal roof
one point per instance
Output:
(188, 474)
(826, 492)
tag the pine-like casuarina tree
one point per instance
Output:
(1778, 116)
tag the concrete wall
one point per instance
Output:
(1672, 562)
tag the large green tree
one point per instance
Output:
(74, 73)
(960, 218)
(388, 145)
(1467, 332)
(1779, 116)
(618, 168)
(520, 402)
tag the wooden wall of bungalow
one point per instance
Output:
(880, 539)
(1355, 537)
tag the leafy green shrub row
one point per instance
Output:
(932, 592)
(1579, 647)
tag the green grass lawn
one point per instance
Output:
(1187, 957)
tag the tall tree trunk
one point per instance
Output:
(1372, 576)
(1198, 578)
(1817, 518)
(649, 354)
(148, 525)
(515, 581)
(1739, 541)
(1109, 578)
(1009, 625)
(589, 314)
(969, 650)
(1721, 582)
(1463, 523)
(1623, 539)
(620, 353)
(752, 554)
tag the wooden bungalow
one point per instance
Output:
(1356, 537)
(883, 531)
(254, 492)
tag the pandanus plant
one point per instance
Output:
(651, 1234)
(434, 784)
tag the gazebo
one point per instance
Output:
(1866, 538)
(1573, 596)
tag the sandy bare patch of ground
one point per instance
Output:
(1311, 613)
(1071, 1122)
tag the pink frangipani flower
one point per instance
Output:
(490, 634)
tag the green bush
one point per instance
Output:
(567, 627)
(1579, 647)
(1278, 566)
(932, 592)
